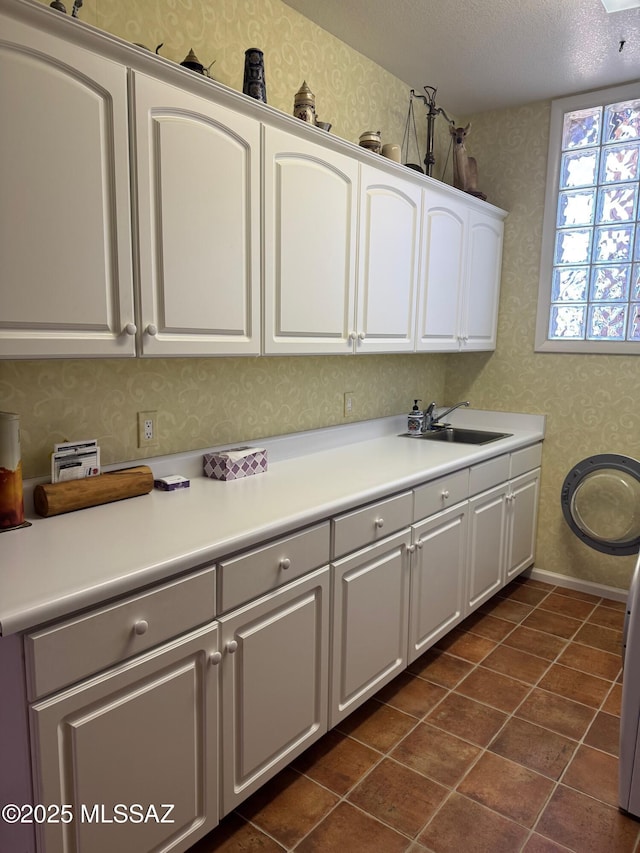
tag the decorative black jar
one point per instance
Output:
(254, 83)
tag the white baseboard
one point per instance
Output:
(612, 592)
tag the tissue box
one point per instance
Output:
(235, 463)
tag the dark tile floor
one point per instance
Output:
(503, 738)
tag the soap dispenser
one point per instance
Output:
(415, 420)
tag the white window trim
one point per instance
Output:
(628, 92)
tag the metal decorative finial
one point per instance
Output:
(432, 111)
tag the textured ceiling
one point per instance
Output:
(488, 54)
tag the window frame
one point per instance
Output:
(601, 97)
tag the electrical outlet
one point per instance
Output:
(349, 404)
(147, 429)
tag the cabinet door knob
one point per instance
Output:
(232, 646)
(419, 543)
(352, 336)
(141, 627)
(411, 549)
(284, 563)
(445, 494)
(379, 523)
(152, 330)
(215, 658)
(361, 336)
(130, 329)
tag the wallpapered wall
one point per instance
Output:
(592, 402)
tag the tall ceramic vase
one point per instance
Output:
(254, 83)
(11, 500)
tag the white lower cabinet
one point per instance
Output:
(274, 683)
(149, 740)
(487, 525)
(370, 610)
(438, 574)
(522, 516)
(502, 529)
(133, 753)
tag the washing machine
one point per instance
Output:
(601, 503)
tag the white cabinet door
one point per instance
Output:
(370, 612)
(460, 280)
(65, 222)
(310, 211)
(198, 212)
(487, 521)
(388, 261)
(522, 519)
(438, 573)
(443, 272)
(482, 292)
(145, 732)
(274, 683)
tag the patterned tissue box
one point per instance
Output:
(235, 463)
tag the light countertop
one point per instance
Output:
(69, 562)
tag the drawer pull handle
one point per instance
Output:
(379, 523)
(215, 658)
(445, 494)
(141, 627)
(232, 646)
(284, 563)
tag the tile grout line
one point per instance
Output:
(483, 750)
(511, 715)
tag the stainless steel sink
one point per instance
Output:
(458, 435)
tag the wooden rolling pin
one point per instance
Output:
(56, 498)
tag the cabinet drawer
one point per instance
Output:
(440, 494)
(488, 474)
(73, 650)
(525, 460)
(355, 529)
(257, 572)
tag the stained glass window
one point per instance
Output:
(595, 283)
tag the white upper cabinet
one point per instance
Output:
(150, 212)
(480, 306)
(388, 261)
(197, 197)
(460, 287)
(443, 272)
(65, 226)
(342, 246)
(310, 207)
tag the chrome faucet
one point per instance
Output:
(430, 419)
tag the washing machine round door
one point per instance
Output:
(601, 503)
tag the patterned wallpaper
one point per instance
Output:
(202, 402)
(592, 402)
(352, 93)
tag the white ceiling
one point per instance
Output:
(488, 54)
